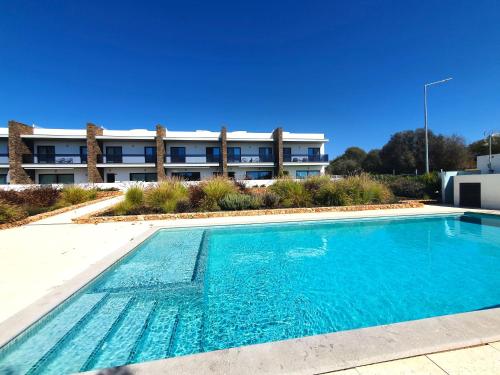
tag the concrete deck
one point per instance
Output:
(40, 258)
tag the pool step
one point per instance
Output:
(157, 341)
(169, 258)
(74, 353)
(116, 349)
(40, 343)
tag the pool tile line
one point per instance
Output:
(78, 326)
(92, 357)
(147, 322)
(430, 359)
(198, 254)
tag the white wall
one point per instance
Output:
(292, 170)
(483, 160)
(123, 173)
(250, 148)
(490, 189)
(80, 174)
(205, 173)
(302, 148)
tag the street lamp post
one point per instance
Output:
(425, 121)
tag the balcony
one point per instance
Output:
(192, 159)
(126, 159)
(247, 158)
(320, 158)
(4, 158)
(54, 159)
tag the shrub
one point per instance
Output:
(314, 183)
(44, 196)
(134, 196)
(213, 192)
(166, 196)
(195, 195)
(359, 189)
(74, 195)
(122, 208)
(238, 201)
(423, 186)
(10, 213)
(292, 193)
(270, 199)
(332, 195)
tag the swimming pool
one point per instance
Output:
(200, 289)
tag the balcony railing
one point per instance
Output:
(246, 158)
(305, 158)
(54, 159)
(192, 159)
(4, 158)
(126, 159)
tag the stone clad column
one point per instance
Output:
(223, 151)
(278, 151)
(17, 148)
(94, 154)
(160, 152)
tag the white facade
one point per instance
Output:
(483, 163)
(131, 154)
(489, 189)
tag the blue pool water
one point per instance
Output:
(194, 290)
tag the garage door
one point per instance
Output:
(470, 194)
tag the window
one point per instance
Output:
(150, 155)
(56, 178)
(187, 176)
(305, 174)
(231, 175)
(3, 179)
(46, 154)
(213, 154)
(287, 154)
(259, 175)
(114, 154)
(177, 154)
(83, 154)
(313, 154)
(234, 154)
(147, 177)
(265, 154)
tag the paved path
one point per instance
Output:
(480, 360)
(65, 218)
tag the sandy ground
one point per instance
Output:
(37, 257)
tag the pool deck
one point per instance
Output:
(41, 263)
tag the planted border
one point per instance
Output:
(44, 215)
(96, 217)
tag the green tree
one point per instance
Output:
(372, 162)
(348, 163)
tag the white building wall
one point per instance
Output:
(483, 160)
(490, 189)
(61, 147)
(250, 148)
(80, 174)
(205, 173)
(122, 174)
(292, 171)
(302, 148)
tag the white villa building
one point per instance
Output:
(43, 156)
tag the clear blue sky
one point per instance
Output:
(351, 69)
